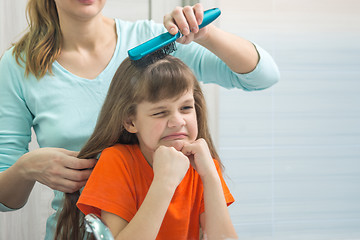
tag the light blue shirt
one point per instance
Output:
(63, 108)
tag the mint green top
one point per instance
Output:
(63, 108)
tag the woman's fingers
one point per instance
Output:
(68, 186)
(199, 13)
(186, 20)
(78, 163)
(191, 21)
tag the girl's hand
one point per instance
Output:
(187, 20)
(200, 157)
(57, 168)
(170, 165)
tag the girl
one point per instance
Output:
(158, 175)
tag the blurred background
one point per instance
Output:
(291, 152)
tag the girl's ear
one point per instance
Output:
(130, 126)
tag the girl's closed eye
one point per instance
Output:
(187, 108)
(159, 114)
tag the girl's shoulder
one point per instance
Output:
(121, 151)
(118, 147)
(123, 156)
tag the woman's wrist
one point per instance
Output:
(23, 166)
(204, 40)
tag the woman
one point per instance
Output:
(56, 78)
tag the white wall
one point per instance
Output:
(293, 151)
(12, 22)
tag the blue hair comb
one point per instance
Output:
(165, 43)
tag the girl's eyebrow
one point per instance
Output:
(157, 108)
(189, 100)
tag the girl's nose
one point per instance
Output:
(176, 120)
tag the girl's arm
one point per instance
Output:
(215, 221)
(147, 221)
(170, 167)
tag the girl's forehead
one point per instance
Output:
(182, 98)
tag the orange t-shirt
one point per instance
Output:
(119, 184)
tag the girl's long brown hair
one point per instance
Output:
(165, 79)
(41, 45)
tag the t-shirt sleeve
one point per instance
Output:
(110, 187)
(208, 68)
(227, 194)
(15, 117)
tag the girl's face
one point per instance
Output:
(169, 122)
(79, 9)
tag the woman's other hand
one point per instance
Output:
(57, 168)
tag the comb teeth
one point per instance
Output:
(155, 56)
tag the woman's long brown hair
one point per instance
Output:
(165, 79)
(41, 45)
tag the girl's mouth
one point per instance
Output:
(86, 1)
(175, 136)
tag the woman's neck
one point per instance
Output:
(87, 46)
(88, 34)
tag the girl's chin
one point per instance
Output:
(177, 144)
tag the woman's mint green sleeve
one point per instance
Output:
(210, 69)
(15, 117)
